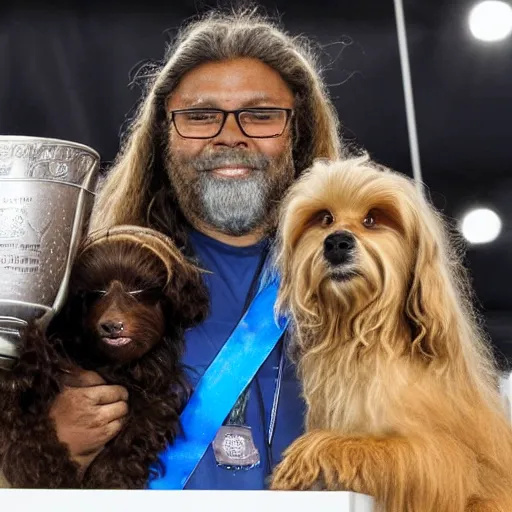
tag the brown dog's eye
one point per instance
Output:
(325, 218)
(153, 294)
(91, 296)
(369, 220)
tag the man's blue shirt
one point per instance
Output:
(230, 277)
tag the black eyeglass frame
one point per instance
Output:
(288, 111)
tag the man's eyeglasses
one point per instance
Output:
(206, 123)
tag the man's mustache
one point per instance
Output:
(230, 158)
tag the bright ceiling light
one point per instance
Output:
(481, 226)
(491, 20)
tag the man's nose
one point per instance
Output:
(231, 134)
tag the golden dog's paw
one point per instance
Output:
(306, 465)
(294, 474)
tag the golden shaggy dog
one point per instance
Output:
(399, 382)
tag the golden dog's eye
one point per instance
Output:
(369, 220)
(326, 218)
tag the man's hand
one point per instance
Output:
(88, 414)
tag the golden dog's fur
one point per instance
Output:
(398, 378)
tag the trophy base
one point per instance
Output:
(13, 328)
(6, 363)
(11, 334)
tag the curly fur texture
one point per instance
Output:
(108, 267)
(31, 454)
(400, 385)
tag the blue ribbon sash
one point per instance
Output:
(217, 391)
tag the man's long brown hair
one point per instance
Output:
(137, 189)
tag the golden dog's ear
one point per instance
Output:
(437, 302)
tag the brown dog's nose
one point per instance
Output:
(112, 328)
(338, 247)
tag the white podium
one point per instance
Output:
(506, 392)
(181, 501)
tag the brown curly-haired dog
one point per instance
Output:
(400, 385)
(131, 296)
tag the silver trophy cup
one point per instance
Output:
(46, 198)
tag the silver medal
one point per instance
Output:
(234, 447)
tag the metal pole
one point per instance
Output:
(408, 94)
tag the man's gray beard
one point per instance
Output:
(234, 206)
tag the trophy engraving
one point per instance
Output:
(46, 196)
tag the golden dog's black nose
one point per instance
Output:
(338, 247)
